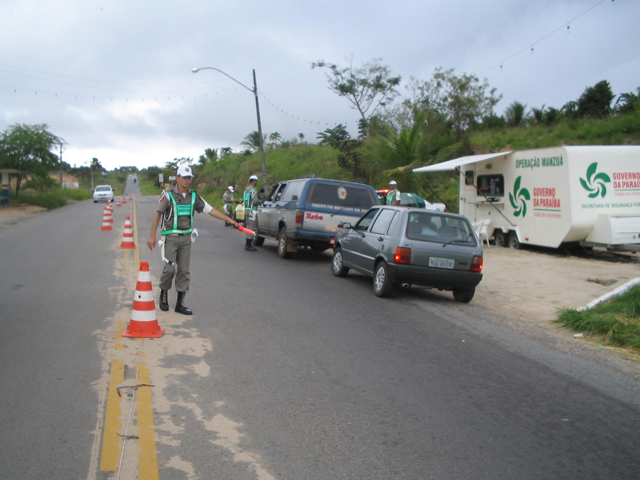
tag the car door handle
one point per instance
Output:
(381, 239)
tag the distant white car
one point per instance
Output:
(103, 193)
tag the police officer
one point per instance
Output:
(251, 202)
(227, 198)
(393, 197)
(176, 209)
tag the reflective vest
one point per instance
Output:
(391, 196)
(246, 199)
(227, 196)
(183, 210)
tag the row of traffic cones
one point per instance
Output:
(144, 319)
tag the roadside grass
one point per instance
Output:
(50, 199)
(614, 323)
(149, 187)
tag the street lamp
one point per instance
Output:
(253, 90)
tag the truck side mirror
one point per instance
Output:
(345, 225)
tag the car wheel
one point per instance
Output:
(464, 295)
(337, 264)
(283, 244)
(500, 238)
(258, 241)
(382, 285)
(514, 242)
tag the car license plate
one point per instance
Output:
(441, 262)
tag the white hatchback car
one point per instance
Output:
(103, 193)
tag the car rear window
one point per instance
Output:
(103, 189)
(440, 229)
(340, 197)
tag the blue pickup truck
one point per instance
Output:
(306, 212)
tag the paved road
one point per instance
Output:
(283, 371)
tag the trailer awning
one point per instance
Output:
(459, 162)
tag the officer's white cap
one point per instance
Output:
(230, 188)
(253, 177)
(185, 171)
(393, 182)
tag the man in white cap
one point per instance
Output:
(393, 197)
(251, 202)
(227, 198)
(176, 209)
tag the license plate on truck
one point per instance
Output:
(441, 262)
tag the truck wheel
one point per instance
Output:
(283, 244)
(382, 284)
(514, 242)
(464, 295)
(258, 241)
(337, 265)
(500, 238)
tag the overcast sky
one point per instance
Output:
(113, 77)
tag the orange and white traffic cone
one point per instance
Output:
(130, 197)
(118, 204)
(124, 199)
(144, 320)
(106, 219)
(127, 235)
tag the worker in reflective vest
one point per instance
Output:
(176, 209)
(251, 202)
(393, 197)
(227, 198)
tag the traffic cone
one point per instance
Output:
(124, 199)
(130, 197)
(118, 204)
(106, 219)
(144, 320)
(127, 235)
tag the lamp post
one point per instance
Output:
(253, 90)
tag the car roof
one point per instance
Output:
(419, 210)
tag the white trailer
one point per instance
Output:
(551, 196)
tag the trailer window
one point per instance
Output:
(469, 177)
(491, 185)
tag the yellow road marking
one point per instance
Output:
(147, 457)
(111, 440)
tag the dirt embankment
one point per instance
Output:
(533, 284)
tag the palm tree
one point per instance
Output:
(628, 102)
(253, 140)
(301, 137)
(397, 153)
(515, 114)
(275, 137)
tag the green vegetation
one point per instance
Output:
(50, 199)
(616, 322)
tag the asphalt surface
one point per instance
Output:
(285, 371)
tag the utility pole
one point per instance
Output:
(263, 163)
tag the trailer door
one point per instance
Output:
(468, 192)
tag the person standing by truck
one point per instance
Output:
(251, 202)
(393, 197)
(227, 198)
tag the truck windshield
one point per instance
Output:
(340, 197)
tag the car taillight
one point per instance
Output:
(332, 241)
(402, 255)
(476, 264)
(299, 217)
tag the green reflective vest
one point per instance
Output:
(391, 196)
(246, 199)
(184, 210)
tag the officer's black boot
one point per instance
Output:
(180, 306)
(164, 300)
(250, 247)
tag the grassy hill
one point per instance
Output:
(303, 159)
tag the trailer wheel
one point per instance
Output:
(500, 238)
(514, 242)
